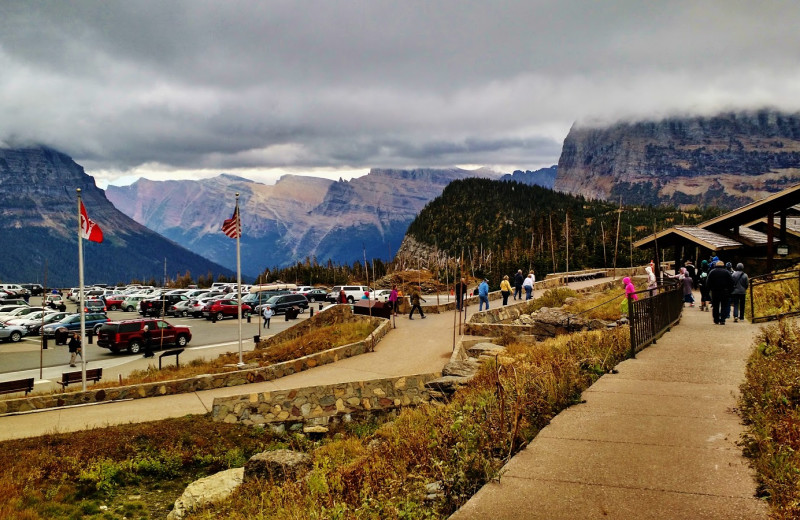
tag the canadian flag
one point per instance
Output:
(89, 230)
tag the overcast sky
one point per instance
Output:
(181, 89)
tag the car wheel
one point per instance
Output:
(112, 308)
(181, 341)
(129, 308)
(350, 300)
(220, 316)
(184, 314)
(15, 336)
(134, 347)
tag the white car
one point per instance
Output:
(382, 295)
(34, 318)
(19, 312)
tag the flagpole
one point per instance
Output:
(239, 275)
(81, 293)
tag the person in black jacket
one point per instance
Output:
(74, 346)
(146, 343)
(518, 279)
(461, 290)
(720, 283)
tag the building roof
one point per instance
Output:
(783, 200)
(701, 237)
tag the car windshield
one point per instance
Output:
(272, 300)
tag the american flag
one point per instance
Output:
(232, 227)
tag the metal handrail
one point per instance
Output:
(768, 278)
(651, 317)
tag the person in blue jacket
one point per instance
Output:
(483, 294)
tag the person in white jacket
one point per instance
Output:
(528, 285)
(267, 313)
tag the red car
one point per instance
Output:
(114, 302)
(226, 307)
(127, 335)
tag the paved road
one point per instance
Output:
(28, 359)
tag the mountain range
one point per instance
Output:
(298, 217)
(725, 160)
(38, 214)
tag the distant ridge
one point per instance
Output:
(726, 160)
(297, 218)
(544, 177)
(38, 204)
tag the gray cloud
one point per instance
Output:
(239, 84)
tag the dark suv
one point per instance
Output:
(280, 303)
(127, 335)
(155, 306)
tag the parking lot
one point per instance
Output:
(27, 358)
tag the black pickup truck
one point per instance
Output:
(156, 306)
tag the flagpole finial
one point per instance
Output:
(237, 193)
(78, 190)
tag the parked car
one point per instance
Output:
(352, 293)
(115, 301)
(127, 335)
(19, 312)
(225, 307)
(12, 333)
(281, 302)
(34, 326)
(34, 288)
(155, 306)
(261, 297)
(131, 303)
(315, 295)
(180, 308)
(72, 322)
(55, 302)
(37, 314)
(381, 295)
(94, 305)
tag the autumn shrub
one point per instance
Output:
(69, 475)
(453, 448)
(779, 296)
(770, 406)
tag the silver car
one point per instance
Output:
(12, 333)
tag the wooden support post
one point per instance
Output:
(770, 234)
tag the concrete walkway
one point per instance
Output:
(657, 440)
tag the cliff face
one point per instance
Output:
(38, 209)
(298, 217)
(726, 160)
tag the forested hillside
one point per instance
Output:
(504, 226)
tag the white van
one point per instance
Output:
(16, 288)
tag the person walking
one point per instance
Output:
(267, 313)
(691, 272)
(519, 279)
(393, 299)
(685, 281)
(461, 291)
(528, 285)
(630, 289)
(75, 350)
(415, 299)
(505, 289)
(702, 283)
(720, 283)
(146, 343)
(740, 284)
(342, 296)
(483, 294)
(652, 283)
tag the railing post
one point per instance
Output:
(752, 305)
(632, 326)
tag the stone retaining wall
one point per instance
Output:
(210, 381)
(491, 322)
(318, 405)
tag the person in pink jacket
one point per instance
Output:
(630, 290)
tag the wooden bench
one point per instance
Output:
(174, 352)
(20, 385)
(67, 378)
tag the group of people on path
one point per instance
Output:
(721, 287)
